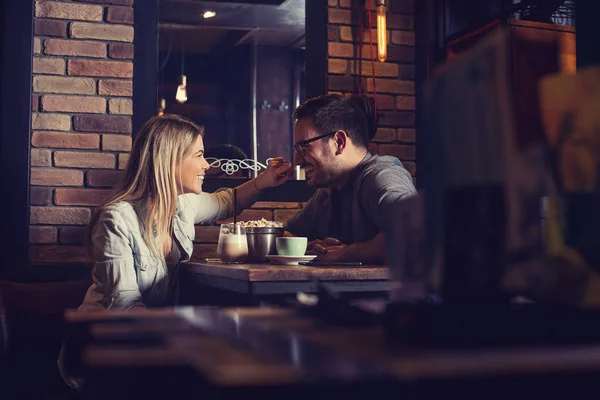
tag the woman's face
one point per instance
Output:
(193, 169)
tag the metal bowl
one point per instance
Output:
(261, 242)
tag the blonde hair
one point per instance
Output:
(150, 183)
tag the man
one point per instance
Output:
(346, 218)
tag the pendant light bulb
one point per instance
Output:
(381, 31)
(162, 106)
(181, 95)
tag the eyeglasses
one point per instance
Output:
(300, 147)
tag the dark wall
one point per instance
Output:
(218, 94)
(15, 100)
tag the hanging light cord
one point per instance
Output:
(372, 62)
(182, 53)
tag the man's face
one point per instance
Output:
(318, 157)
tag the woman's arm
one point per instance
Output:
(206, 208)
(248, 193)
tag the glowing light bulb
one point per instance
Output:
(209, 14)
(162, 107)
(181, 95)
(381, 31)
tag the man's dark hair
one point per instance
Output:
(354, 115)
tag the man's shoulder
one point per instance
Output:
(379, 162)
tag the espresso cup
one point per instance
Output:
(291, 246)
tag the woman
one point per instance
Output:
(146, 227)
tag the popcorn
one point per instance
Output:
(262, 223)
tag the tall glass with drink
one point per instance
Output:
(233, 245)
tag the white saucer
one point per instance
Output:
(290, 260)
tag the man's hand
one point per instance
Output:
(333, 253)
(319, 246)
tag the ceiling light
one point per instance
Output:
(209, 14)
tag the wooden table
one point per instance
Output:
(256, 283)
(276, 353)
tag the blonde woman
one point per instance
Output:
(146, 227)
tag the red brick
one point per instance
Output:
(410, 166)
(113, 69)
(337, 66)
(103, 178)
(333, 33)
(75, 159)
(337, 16)
(116, 143)
(392, 86)
(59, 216)
(389, 70)
(86, 30)
(56, 177)
(248, 215)
(42, 234)
(65, 140)
(284, 215)
(35, 103)
(277, 205)
(120, 50)
(40, 196)
(74, 104)
(120, 106)
(384, 102)
(400, 151)
(385, 135)
(63, 84)
(405, 103)
(111, 87)
(57, 254)
(40, 158)
(49, 27)
(352, 34)
(72, 235)
(71, 11)
(102, 123)
(202, 251)
(48, 65)
(332, 3)
(123, 159)
(207, 234)
(342, 83)
(397, 119)
(117, 2)
(80, 197)
(403, 37)
(404, 54)
(119, 15)
(407, 135)
(78, 48)
(52, 122)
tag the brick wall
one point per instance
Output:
(81, 118)
(394, 79)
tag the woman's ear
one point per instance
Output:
(341, 141)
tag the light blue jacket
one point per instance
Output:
(125, 272)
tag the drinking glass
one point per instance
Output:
(233, 245)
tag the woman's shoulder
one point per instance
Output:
(120, 213)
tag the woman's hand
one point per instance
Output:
(277, 173)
